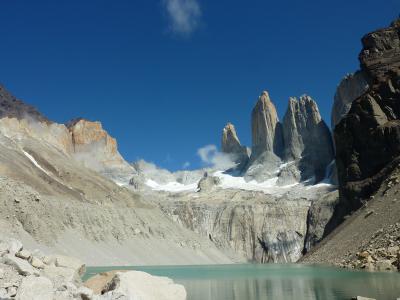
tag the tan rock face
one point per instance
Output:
(94, 146)
(86, 132)
(264, 125)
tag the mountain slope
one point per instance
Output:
(367, 142)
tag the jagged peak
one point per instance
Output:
(229, 128)
(264, 103)
(304, 106)
(230, 140)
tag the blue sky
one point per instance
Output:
(164, 76)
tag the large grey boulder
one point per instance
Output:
(22, 266)
(266, 131)
(35, 288)
(60, 275)
(307, 138)
(140, 285)
(231, 145)
(350, 88)
(71, 263)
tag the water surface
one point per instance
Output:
(273, 281)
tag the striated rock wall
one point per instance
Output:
(256, 227)
(307, 138)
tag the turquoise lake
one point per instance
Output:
(273, 281)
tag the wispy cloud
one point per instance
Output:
(186, 165)
(211, 157)
(183, 15)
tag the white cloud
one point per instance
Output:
(186, 165)
(210, 156)
(184, 15)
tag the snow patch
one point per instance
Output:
(174, 186)
(268, 187)
(33, 160)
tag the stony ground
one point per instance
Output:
(31, 275)
(368, 239)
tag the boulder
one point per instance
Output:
(24, 254)
(22, 266)
(140, 285)
(35, 288)
(60, 275)
(70, 263)
(36, 262)
(99, 281)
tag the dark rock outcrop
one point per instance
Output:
(368, 138)
(307, 138)
(11, 107)
(230, 145)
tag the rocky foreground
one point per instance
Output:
(27, 275)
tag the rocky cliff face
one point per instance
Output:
(267, 141)
(307, 139)
(230, 145)
(266, 129)
(95, 148)
(379, 57)
(298, 149)
(253, 226)
(350, 88)
(368, 138)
